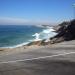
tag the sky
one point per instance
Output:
(35, 11)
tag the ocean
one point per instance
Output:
(17, 35)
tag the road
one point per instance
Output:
(56, 60)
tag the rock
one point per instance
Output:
(66, 32)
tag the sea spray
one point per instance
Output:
(37, 37)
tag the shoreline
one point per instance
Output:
(37, 38)
(65, 33)
(25, 48)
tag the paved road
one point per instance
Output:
(58, 60)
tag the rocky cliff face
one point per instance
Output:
(66, 32)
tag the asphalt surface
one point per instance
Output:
(57, 60)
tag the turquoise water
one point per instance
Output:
(18, 35)
(12, 35)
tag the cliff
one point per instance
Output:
(66, 32)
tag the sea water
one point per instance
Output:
(17, 35)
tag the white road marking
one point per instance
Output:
(39, 57)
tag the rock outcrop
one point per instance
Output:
(66, 32)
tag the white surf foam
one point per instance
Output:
(15, 46)
(37, 37)
(45, 34)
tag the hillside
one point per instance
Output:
(66, 32)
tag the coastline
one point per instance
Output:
(65, 32)
(24, 48)
(36, 43)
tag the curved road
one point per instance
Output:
(56, 60)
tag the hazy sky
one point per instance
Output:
(35, 11)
